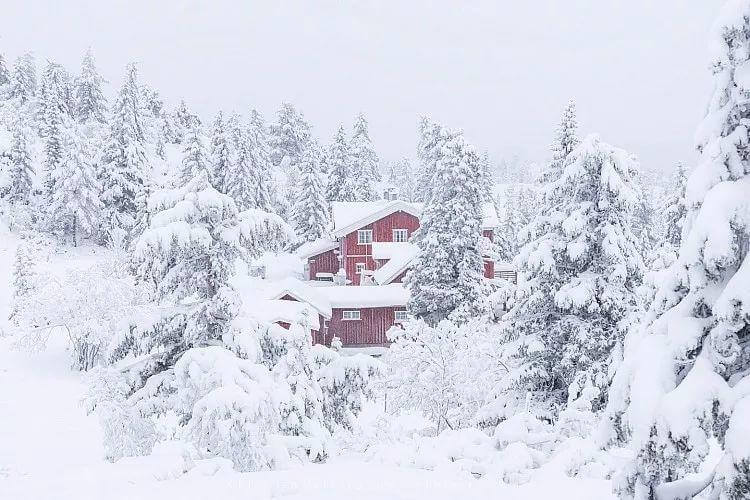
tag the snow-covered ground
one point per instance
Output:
(51, 449)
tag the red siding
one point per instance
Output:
(400, 277)
(489, 234)
(382, 231)
(370, 330)
(326, 262)
(489, 268)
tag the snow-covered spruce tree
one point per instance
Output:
(487, 181)
(684, 385)
(194, 156)
(289, 137)
(581, 265)
(342, 181)
(91, 105)
(260, 158)
(19, 166)
(675, 208)
(23, 280)
(75, 208)
(220, 154)
(364, 160)
(446, 278)
(407, 182)
(124, 164)
(310, 213)
(506, 237)
(427, 152)
(249, 180)
(565, 142)
(23, 81)
(53, 120)
(4, 72)
(183, 121)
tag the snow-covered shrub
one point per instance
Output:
(228, 404)
(89, 305)
(446, 371)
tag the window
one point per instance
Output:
(351, 315)
(360, 266)
(364, 236)
(400, 235)
(401, 316)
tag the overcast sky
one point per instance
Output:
(501, 70)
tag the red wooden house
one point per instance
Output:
(370, 246)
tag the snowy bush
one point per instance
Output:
(446, 371)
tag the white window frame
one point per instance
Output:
(353, 315)
(359, 267)
(405, 232)
(361, 240)
(400, 320)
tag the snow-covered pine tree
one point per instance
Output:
(506, 237)
(427, 153)
(310, 213)
(682, 394)
(124, 164)
(91, 105)
(446, 278)
(342, 182)
(565, 142)
(221, 153)
(289, 137)
(487, 182)
(407, 183)
(23, 280)
(675, 208)
(53, 120)
(4, 72)
(249, 180)
(183, 121)
(75, 207)
(365, 165)
(23, 81)
(259, 150)
(581, 263)
(194, 156)
(19, 166)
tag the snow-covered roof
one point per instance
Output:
(399, 255)
(490, 220)
(351, 215)
(287, 311)
(317, 247)
(365, 296)
(303, 293)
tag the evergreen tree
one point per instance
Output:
(486, 177)
(693, 354)
(19, 167)
(91, 105)
(446, 278)
(289, 137)
(249, 181)
(75, 207)
(258, 147)
(183, 121)
(4, 72)
(342, 183)
(23, 280)
(581, 263)
(406, 181)
(565, 142)
(310, 212)
(23, 81)
(124, 164)
(194, 157)
(221, 153)
(54, 114)
(431, 138)
(675, 208)
(364, 161)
